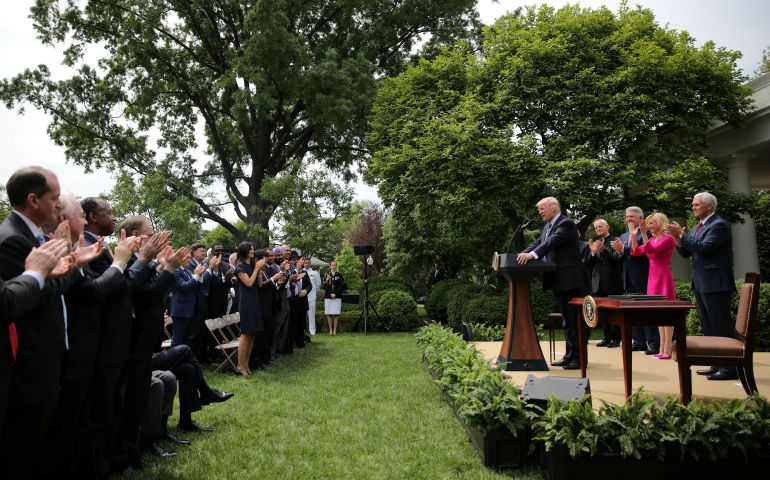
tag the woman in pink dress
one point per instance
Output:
(659, 249)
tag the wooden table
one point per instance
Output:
(639, 313)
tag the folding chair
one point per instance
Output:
(225, 341)
(167, 342)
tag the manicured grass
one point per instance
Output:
(350, 406)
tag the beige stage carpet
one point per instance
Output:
(658, 377)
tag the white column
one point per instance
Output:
(745, 256)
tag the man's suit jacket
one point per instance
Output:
(116, 315)
(301, 302)
(606, 270)
(34, 377)
(17, 296)
(147, 334)
(184, 294)
(561, 247)
(711, 250)
(636, 270)
(84, 307)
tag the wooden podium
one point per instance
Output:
(521, 347)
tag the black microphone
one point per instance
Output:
(521, 227)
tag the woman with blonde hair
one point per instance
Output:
(660, 281)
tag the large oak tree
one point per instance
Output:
(275, 84)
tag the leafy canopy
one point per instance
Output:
(600, 109)
(216, 98)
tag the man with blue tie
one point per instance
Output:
(636, 269)
(560, 243)
(184, 296)
(710, 245)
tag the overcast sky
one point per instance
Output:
(737, 25)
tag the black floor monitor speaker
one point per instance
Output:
(539, 390)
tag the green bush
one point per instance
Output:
(380, 285)
(461, 294)
(436, 305)
(684, 292)
(488, 333)
(543, 302)
(397, 311)
(486, 309)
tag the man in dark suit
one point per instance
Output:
(17, 296)
(146, 334)
(199, 340)
(106, 401)
(559, 243)
(606, 272)
(33, 380)
(83, 301)
(299, 304)
(184, 297)
(194, 391)
(436, 275)
(635, 273)
(710, 245)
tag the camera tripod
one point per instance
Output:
(367, 303)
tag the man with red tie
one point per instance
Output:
(710, 246)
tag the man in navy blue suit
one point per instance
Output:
(635, 273)
(559, 243)
(710, 245)
(183, 299)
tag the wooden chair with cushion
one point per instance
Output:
(731, 352)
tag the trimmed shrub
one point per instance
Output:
(380, 285)
(436, 305)
(397, 311)
(486, 309)
(543, 302)
(488, 333)
(461, 294)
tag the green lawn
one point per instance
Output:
(350, 406)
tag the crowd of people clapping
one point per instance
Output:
(85, 387)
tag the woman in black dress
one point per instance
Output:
(249, 278)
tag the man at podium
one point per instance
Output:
(559, 243)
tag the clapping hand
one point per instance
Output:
(44, 259)
(153, 246)
(200, 269)
(124, 249)
(173, 259)
(82, 254)
(215, 262)
(617, 245)
(62, 232)
(62, 268)
(673, 229)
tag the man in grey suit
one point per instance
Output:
(710, 246)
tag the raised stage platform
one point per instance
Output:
(658, 377)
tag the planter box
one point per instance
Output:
(558, 465)
(497, 448)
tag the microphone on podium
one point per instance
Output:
(521, 227)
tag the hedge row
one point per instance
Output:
(459, 301)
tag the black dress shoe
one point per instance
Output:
(723, 375)
(216, 397)
(193, 427)
(707, 371)
(571, 366)
(560, 363)
(638, 348)
(176, 440)
(603, 343)
(613, 344)
(652, 351)
(159, 451)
